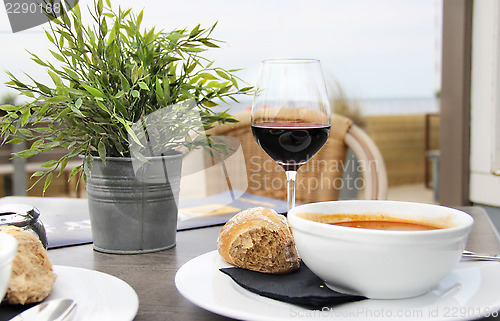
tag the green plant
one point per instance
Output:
(110, 74)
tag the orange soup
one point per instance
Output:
(388, 225)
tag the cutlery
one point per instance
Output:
(473, 256)
(54, 310)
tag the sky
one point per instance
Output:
(374, 49)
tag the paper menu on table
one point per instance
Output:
(67, 221)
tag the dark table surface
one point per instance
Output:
(152, 275)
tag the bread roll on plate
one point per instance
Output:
(259, 239)
(32, 277)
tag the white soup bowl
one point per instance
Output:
(379, 264)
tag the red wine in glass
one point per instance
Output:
(291, 145)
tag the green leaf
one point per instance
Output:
(112, 34)
(158, 88)
(235, 83)
(25, 132)
(44, 89)
(76, 110)
(124, 82)
(44, 109)
(119, 94)
(149, 36)
(119, 146)
(64, 16)
(27, 153)
(196, 31)
(135, 73)
(76, 11)
(75, 171)
(209, 44)
(57, 99)
(175, 36)
(37, 143)
(222, 74)
(64, 112)
(99, 7)
(49, 36)
(48, 180)
(208, 76)
(28, 93)
(133, 134)
(57, 56)
(166, 88)
(49, 163)
(135, 93)
(8, 107)
(194, 49)
(78, 103)
(123, 111)
(56, 21)
(103, 107)
(103, 28)
(26, 114)
(216, 84)
(139, 18)
(209, 103)
(93, 91)
(98, 130)
(38, 174)
(38, 60)
(15, 141)
(55, 78)
(70, 74)
(101, 149)
(76, 92)
(143, 85)
(64, 163)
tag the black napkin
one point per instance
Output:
(301, 287)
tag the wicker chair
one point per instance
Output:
(320, 179)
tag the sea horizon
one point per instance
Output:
(368, 106)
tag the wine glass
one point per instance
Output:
(291, 114)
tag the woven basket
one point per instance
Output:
(320, 179)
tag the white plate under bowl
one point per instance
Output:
(469, 292)
(99, 296)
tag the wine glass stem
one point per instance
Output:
(290, 186)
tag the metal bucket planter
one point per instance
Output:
(133, 207)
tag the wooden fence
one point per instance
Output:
(401, 140)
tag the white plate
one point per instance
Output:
(469, 292)
(99, 296)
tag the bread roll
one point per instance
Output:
(259, 239)
(32, 278)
